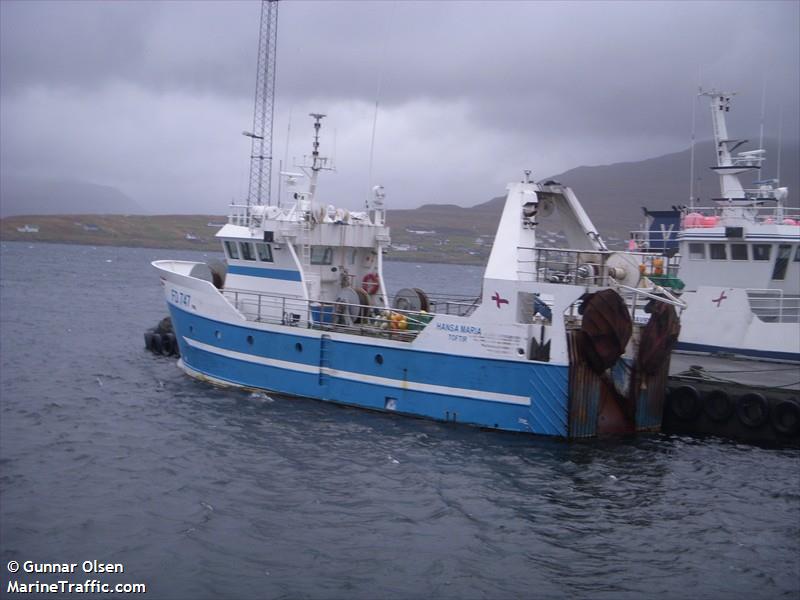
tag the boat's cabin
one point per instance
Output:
(320, 257)
(747, 248)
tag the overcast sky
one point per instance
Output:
(151, 97)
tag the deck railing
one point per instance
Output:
(774, 306)
(359, 319)
(587, 267)
(777, 214)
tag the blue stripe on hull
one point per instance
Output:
(766, 354)
(544, 384)
(265, 272)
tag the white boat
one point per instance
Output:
(738, 259)
(549, 347)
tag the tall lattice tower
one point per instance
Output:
(260, 188)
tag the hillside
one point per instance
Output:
(152, 231)
(612, 195)
(38, 196)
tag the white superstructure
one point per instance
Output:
(740, 259)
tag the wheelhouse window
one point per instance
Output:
(761, 251)
(738, 251)
(718, 251)
(781, 262)
(247, 251)
(797, 255)
(264, 252)
(321, 255)
(697, 251)
(231, 249)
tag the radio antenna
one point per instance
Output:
(263, 113)
(761, 127)
(780, 144)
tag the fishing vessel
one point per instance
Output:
(300, 307)
(549, 347)
(738, 258)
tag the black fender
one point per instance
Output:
(785, 416)
(684, 402)
(167, 344)
(158, 346)
(752, 410)
(718, 406)
(148, 340)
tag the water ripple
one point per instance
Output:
(107, 452)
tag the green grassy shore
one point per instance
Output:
(196, 232)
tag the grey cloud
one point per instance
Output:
(554, 83)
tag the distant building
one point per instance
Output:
(90, 227)
(28, 229)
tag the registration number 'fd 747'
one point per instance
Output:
(179, 298)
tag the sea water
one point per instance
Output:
(112, 456)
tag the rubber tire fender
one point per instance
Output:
(148, 340)
(684, 402)
(718, 406)
(167, 344)
(173, 343)
(785, 416)
(157, 345)
(752, 410)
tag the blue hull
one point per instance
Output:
(509, 395)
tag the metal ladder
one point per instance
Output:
(305, 243)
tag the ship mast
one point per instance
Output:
(259, 191)
(729, 166)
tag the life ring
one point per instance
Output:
(786, 417)
(718, 406)
(684, 402)
(752, 410)
(371, 283)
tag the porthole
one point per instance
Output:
(520, 351)
(379, 359)
(298, 346)
(250, 340)
(191, 328)
(218, 334)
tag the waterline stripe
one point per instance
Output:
(361, 377)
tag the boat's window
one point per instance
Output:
(782, 261)
(697, 251)
(264, 252)
(321, 255)
(717, 252)
(247, 251)
(738, 251)
(230, 247)
(797, 255)
(761, 251)
(353, 256)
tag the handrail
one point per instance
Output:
(590, 267)
(774, 304)
(347, 317)
(652, 293)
